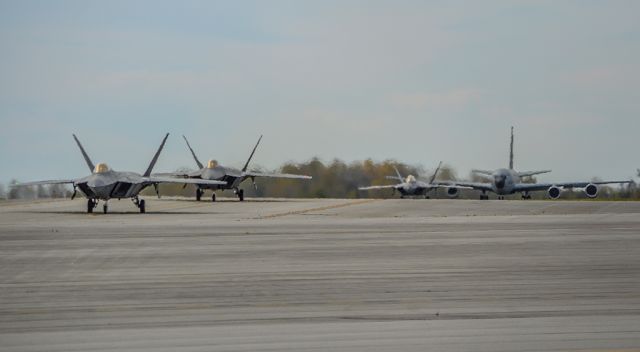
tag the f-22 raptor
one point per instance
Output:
(105, 183)
(232, 177)
(410, 186)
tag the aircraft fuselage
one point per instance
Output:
(112, 184)
(503, 181)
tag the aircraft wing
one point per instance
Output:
(260, 174)
(46, 182)
(378, 187)
(468, 185)
(198, 181)
(531, 173)
(190, 174)
(522, 187)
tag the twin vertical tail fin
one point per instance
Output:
(511, 151)
(84, 154)
(193, 153)
(155, 157)
(433, 178)
(246, 165)
(398, 174)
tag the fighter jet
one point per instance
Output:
(105, 183)
(410, 186)
(232, 177)
(508, 181)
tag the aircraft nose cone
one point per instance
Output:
(499, 181)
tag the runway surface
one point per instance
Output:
(316, 275)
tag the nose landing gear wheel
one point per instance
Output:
(199, 194)
(241, 195)
(141, 205)
(105, 208)
(213, 197)
(90, 205)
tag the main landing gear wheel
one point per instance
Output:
(241, 195)
(526, 195)
(213, 197)
(484, 197)
(90, 205)
(141, 206)
(105, 208)
(199, 193)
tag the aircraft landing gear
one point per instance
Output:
(484, 196)
(240, 194)
(199, 193)
(213, 197)
(91, 204)
(526, 195)
(140, 204)
(501, 197)
(105, 207)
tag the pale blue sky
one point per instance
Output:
(415, 81)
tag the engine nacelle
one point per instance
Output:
(452, 192)
(554, 192)
(591, 190)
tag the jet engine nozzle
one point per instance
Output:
(591, 190)
(554, 192)
(452, 192)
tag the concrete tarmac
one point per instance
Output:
(315, 275)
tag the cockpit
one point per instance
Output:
(212, 164)
(411, 179)
(499, 180)
(101, 168)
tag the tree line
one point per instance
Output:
(334, 179)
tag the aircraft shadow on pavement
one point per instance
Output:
(100, 213)
(230, 200)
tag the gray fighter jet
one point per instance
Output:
(232, 177)
(410, 186)
(104, 183)
(508, 181)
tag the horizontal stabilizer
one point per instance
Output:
(482, 172)
(531, 173)
(259, 174)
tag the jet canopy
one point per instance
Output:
(212, 164)
(101, 168)
(411, 179)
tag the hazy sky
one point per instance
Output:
(416, 81)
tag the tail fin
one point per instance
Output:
(193, 153)
(155, 157)
(246, 165)
(399, 174)
(435, 173)
(84, 154)
(511, 151)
